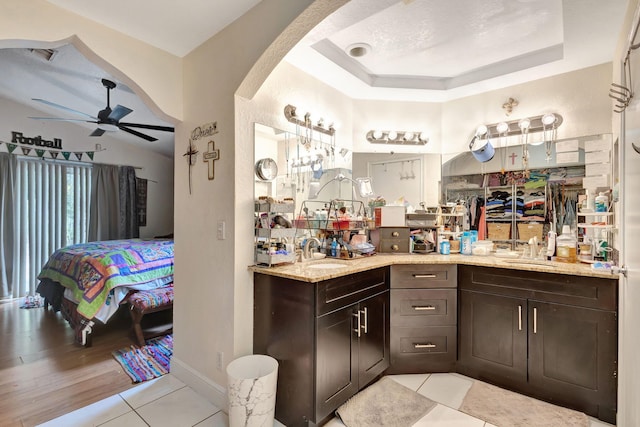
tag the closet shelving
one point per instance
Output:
(515, 227)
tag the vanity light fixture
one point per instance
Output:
(306, 122)
(526, 125)
(397, 137)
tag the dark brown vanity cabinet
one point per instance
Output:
(550, 336)
(423, 318)
(330, 338)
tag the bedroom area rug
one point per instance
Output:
(504, 408)
(384, 403)
(146, 362)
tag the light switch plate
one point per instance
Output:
(222, 230)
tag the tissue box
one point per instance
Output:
(390, 216)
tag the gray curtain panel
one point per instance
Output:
(8, 168)
(128, 227)
(105, 205)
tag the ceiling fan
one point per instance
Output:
(108, 120)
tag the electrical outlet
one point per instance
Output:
(219, 360)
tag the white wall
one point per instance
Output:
(579, 96)
(154, 167)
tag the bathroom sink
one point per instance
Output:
(327, 265)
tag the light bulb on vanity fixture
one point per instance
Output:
(397, 137)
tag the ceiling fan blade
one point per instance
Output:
(119, 112)
(136, 133)
(152, 127)
(62, 107)
(97, 132)
(61, 119)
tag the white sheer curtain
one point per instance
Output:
(51, 211)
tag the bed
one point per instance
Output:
(87, 282)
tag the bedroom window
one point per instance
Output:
(52, 211)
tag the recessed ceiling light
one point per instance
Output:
(357, 50)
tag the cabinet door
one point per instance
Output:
(572, 355)
(493, 337)
(373, 345)
(336, 359)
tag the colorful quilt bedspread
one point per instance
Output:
(92, 270)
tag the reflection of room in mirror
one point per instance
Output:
(413, 177)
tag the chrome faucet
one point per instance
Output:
(306, 251)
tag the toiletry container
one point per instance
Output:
(334, 248)
(602, 202)
(465, 243)
(566, 246)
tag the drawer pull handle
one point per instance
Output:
(395, 234)
(519, 317)
(366, 321)
(427, 345)
(423, 307)
(424, 276)
(357, 316)
(395, 247)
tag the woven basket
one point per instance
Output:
(527, 231)
(498, 231)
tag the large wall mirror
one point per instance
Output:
(304, 167)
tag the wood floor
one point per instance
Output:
(44, 374)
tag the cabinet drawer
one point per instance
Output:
(590, 292)
(400, 246)
(394, 233)
(420, 350)
(346, 290)
(423, 307)
(423, 276)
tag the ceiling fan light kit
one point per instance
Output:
(107, 120)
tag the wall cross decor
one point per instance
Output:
(210, 156)
(191, 156)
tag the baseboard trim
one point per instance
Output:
(208, 389)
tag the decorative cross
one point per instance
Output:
(513, 158)
(191, 155)
(211, 156)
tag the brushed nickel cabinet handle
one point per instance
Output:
(357, 316)
(423, 307)
(395, 247)
(519, 317)
(395, 234)
(535, 320)
(366, 321)
(424, 276)
(427, 345)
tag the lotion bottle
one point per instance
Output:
(566, 246)
(334, 248)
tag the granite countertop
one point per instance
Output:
(307, 272)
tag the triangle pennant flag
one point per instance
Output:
(26, 150)
(54, 154)
(90, 154)
(11, 147)
(78, 155)
(66, 154)
(40, 153)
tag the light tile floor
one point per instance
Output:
(167, 402)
